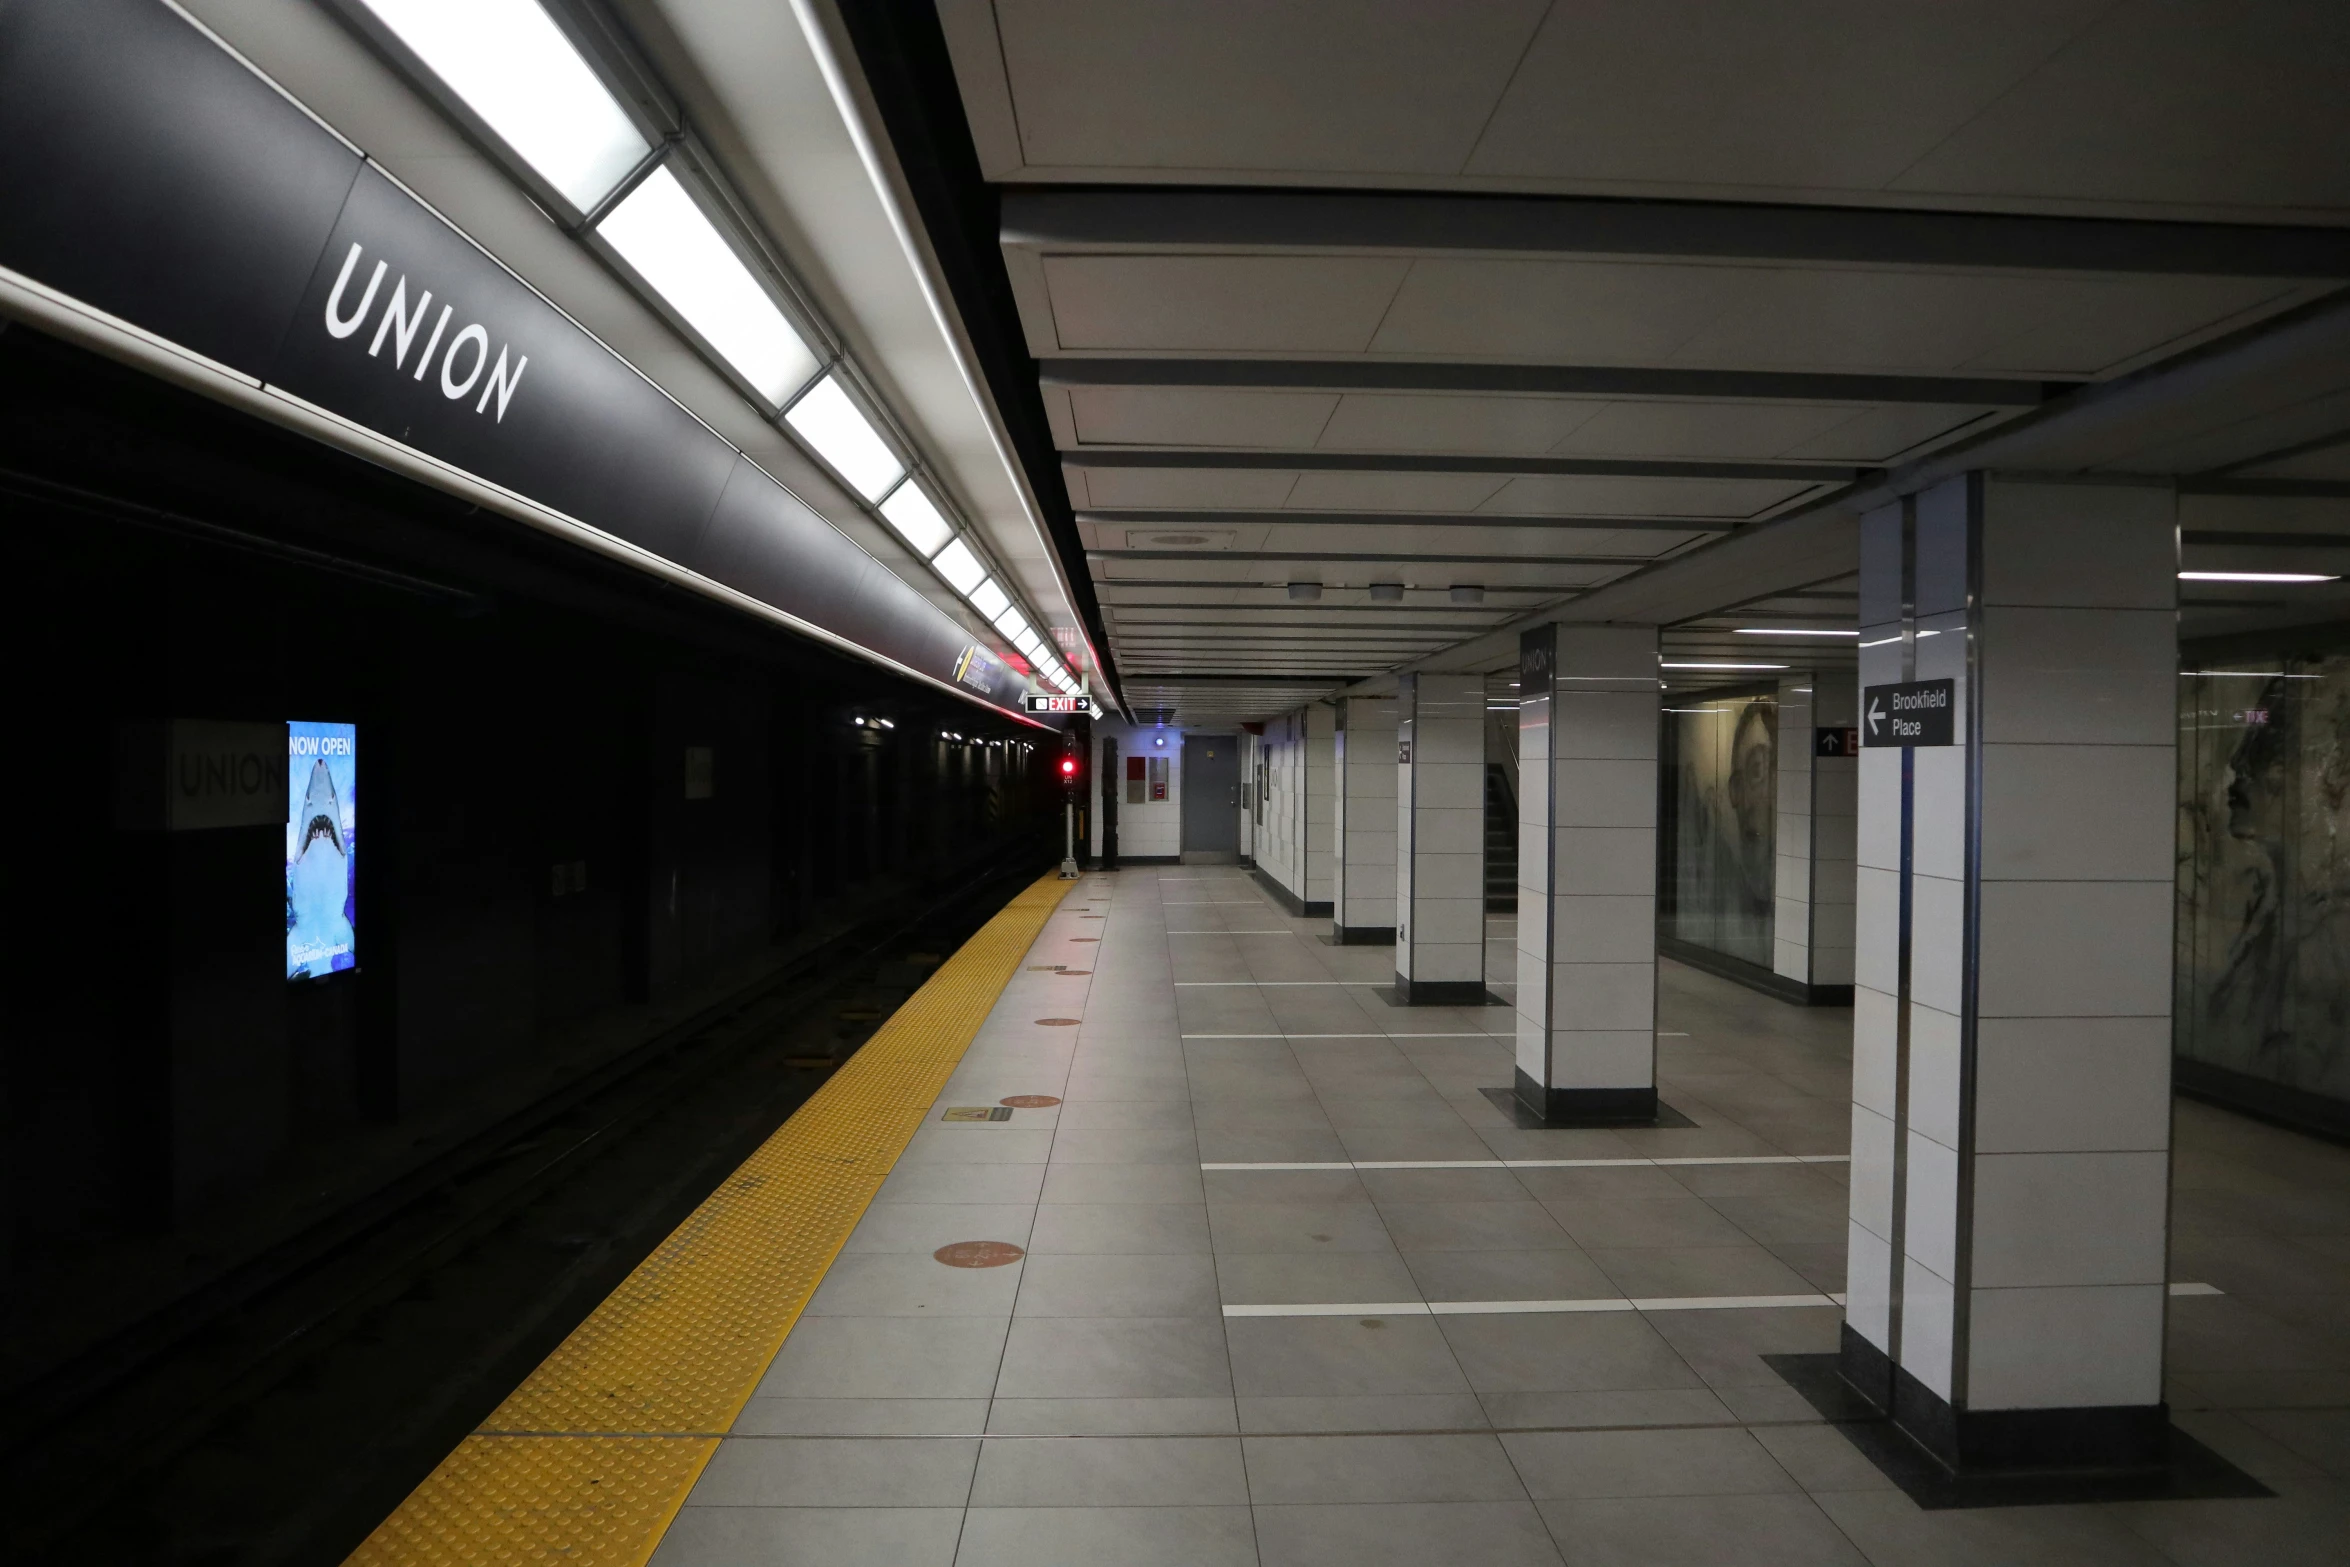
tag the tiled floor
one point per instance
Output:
(1093, 1403)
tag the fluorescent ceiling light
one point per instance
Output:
(509, 63)
(917, 518)
(678, 251)
(2257, 576)
(1790, 631)
(1011, 623)
(827, 420)
(1028, 642)
(989, 599)
(960, 567)
(1721, 666)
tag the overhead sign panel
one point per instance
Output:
(272, 248)
(1910, 714)
(1079, 706)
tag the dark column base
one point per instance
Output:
(2101, 1440)
(1440, 992)
(1299, 908)
(1362, 935)
(1574, 1107)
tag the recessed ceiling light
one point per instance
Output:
(2258, 576)
(1790, 631)
(1721, 666)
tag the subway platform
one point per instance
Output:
(1206, 1253)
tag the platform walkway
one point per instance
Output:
(1276, 1281)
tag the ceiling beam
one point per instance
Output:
(1459, 462)
(1421, 222)
(1351, 556)
(1393, 519)
(1335, 375)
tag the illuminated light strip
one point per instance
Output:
(1496, 1308)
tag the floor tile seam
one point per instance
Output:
(1244, 1437)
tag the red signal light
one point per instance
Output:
(1068, 767)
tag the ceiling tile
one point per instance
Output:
(1223, 304)
(1553, 312)
(1406, 422)
(1183, 416)
(1571, 495)
(1700, 430)
(1392, 86)
(1438, 492)
(1168, 489)
(1828, 95)
(2169, 101)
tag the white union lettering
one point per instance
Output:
(399, 327)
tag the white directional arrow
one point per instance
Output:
(1876, 717)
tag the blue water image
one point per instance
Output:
(322, 808)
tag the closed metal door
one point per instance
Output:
(1211, 794)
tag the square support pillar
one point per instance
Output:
(1362, 899)
(1818, 793)
(2011, 1026)
(1587, 802)
(1440, 840)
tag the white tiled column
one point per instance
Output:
(1362, 897)
(2011, 1038)
(1812, 925)
(1440, 840)
(1587, 792)
(1318, 838)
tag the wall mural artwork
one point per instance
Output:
(1720, 837)
(2263, 929)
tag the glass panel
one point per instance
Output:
(1720, 833)
(989, 599)
(917, 518)
(960, 567)
(510, 64)
(680, 254)
(828, 420)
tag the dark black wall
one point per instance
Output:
(538, 890)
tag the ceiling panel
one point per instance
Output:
(1702, 430)
(1174, 416)
(1398, 87)
(1442, 492)
(1237, 304)
(1410, 422)
(1879, 435)
(1552, 312)
(2169, 101)
(1833, 94)
(1180, 488)
(1568, 495)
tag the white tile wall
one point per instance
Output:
(1440, 829)
(2066, 1347)
(2087, 1083)
(1321, 802)
(1364, 817)
(1155, 827)
(1812, 932)
(2069, 1218)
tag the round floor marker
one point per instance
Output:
(1060, 1022)
(978, 1254)
(1030, 1101)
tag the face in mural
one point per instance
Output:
(1754, 764)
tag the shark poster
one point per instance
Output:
(322, 805)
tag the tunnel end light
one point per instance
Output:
(2272, 577)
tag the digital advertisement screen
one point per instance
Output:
(322, 806)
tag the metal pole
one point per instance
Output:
(1068, 840)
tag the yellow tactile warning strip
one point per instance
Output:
(591, 1457)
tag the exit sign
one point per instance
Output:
(1037, 702)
